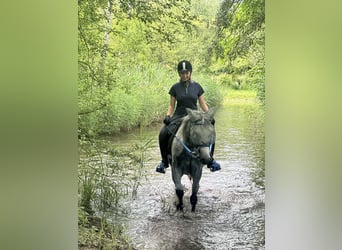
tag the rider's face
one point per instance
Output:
(185, 75)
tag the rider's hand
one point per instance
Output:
(167, 120)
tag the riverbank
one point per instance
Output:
(97, 233)
(233, 96)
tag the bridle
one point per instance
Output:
(194, 153)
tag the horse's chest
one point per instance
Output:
(188, 164)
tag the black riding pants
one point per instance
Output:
(163, 143)
(164, 135)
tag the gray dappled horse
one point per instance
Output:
(190, 150)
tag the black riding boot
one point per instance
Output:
(163, 146)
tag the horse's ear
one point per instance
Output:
(210, 113)
(189, 111)
(194, 115)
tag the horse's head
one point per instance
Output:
(201, 133)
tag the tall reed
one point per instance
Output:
(139, 97)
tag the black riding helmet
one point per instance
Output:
(184, 66)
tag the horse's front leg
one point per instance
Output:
(180, 194)
(176, 177)
(195, 186)
(193, 199)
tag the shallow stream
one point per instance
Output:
(230, 213)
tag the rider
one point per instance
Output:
(186, 93)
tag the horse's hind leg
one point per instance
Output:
(180, 194)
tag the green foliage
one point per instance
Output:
(97, 233)
(127, 58)
(140, 98)
(107, 174)
(212, 91)
(238, 49)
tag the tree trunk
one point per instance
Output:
(104, 51)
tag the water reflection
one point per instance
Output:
(230, 210)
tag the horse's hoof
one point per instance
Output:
(180, 207)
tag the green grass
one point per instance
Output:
(97, 233)
(233, 96)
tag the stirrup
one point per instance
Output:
(214, 166)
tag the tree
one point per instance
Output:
(240, 40)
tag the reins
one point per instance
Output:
(187, 149)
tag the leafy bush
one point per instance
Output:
(212, 90)
(139, 99)
(107, 174)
